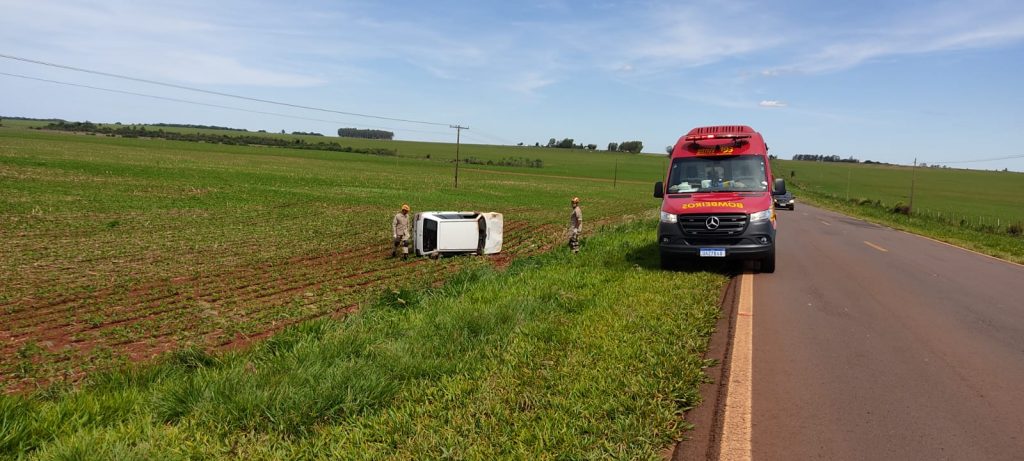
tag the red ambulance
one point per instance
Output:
(717, 198)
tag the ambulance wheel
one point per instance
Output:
(668, 261)
(768, 263)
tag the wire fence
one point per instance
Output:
(991, 224)
(1013, 226)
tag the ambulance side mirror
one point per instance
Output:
(659, 190)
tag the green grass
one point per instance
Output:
(564, 162)
(132, 247)
(973, 209)
(560, 356)
(968, 194)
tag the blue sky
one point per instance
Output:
(879, 80)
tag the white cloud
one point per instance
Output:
(219, 70)
(945, 28)
(772, 103)
(167, 42)
(530, 82)
(692, 35)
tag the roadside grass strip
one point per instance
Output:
(559, 356)
(985, 217)
(1001, 246)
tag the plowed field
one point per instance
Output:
(116, 250)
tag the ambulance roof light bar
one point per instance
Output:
(704, 137)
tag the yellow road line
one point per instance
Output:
(736, 428)
(872, 245)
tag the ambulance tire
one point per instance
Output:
(669, 262)
(768, 263)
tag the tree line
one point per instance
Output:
(139, 131)
(824, 158)
(205, 127)
(506, 161)
(836, 159)
(633, 147)
(569, 143)
(365, 134)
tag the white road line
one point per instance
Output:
(826, 223)
(736, 428)
(872, 245)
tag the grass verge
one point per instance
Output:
(996, 241)
(559, 356)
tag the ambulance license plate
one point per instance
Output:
(712, 252)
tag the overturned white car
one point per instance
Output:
(450, 232)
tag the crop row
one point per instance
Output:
(63, 339)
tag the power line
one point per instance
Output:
(1008, 157)
(216, 93)
(186, 101)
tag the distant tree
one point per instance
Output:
(668, 149)
(591, 146)
(520, 144)
(552, 142)
(613, 147)
(365, 134)
(633, 147)
(536, 144)
(566, 143)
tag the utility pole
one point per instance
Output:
(849, 170)
(458, 133)
(616, 179)
(913, 176)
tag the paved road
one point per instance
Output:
(870, 343)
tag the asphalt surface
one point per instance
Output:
(870, 343)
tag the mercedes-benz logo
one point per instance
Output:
(712, 222)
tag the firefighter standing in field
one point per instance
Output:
(400, 232)
(575, 225)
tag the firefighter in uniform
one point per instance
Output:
(575, 225)
(400, 232)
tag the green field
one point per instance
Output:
(567, 162)
(978, 196)
(982, 210)
(135, 246)
(559, 356)
(166, 299)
